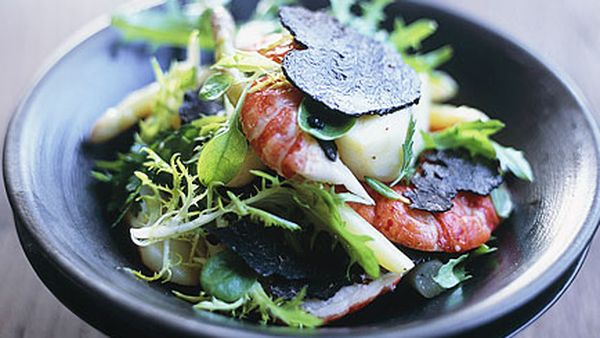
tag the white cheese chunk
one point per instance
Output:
(374, 146)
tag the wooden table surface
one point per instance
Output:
(563, 32)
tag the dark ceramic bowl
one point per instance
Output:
(70, 244)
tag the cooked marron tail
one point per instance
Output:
(466, 226)
(269, 121)
(351, 298)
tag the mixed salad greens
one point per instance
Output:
(206, 211)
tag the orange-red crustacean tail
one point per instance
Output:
(269, 121)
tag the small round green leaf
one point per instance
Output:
(226, 277)
(326, 126)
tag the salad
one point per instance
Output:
(311, 166)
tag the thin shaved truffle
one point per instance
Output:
(288, 265)
(344, 70)
(263, 250)
(443, 174)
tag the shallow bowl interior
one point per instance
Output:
(71, 245)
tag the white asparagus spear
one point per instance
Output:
(444, 116)
(136, 106)
(139, 104)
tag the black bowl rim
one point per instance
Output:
(450, 324)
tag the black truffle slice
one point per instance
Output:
(344, 70)
(263, 249)
(332, 272)
(193, 107)
(285, 267)
(442, 174)
(313, 29)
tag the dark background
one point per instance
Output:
(564, 33)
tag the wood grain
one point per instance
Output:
(562, 32)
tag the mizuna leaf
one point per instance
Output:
(451, 274)
(514, 161)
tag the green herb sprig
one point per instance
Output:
(433, 277)
(385, 191)
(408, 40)
(406, 170)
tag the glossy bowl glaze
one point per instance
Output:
(71, 245)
